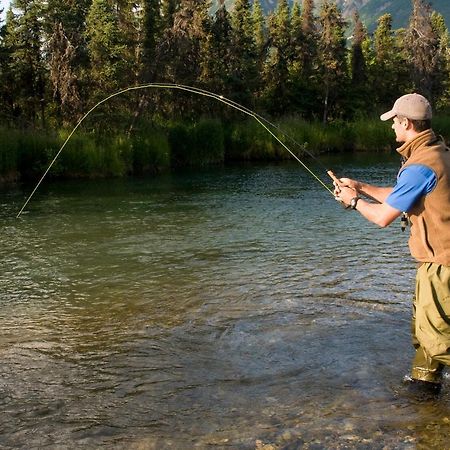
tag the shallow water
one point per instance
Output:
(233, 308)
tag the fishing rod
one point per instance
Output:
(260, 119)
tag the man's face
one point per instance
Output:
(399, 126)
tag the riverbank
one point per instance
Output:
(161, 147)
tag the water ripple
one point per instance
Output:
(220, 309)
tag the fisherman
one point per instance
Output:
(421, 196)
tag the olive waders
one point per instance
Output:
(431, 322)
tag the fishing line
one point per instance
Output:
(261, 120)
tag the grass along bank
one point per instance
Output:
(153, 149)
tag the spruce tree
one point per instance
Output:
(332, 59)
(297, 41)
(62, 75)
(181, 44)
(389, 70)
(106, 48)
(259, 26)
(6, 79)
(144, 28)
(244, 73)
(23, 40)
(422, 48)
(151, 34)
(384, 41)
(72, 15)
(181, 49)
(276, 73)
(129, 17)
(310, 36)
(66, 55)
(360, 91)
(358, 63)
(168, 9)
(303, 67)
(441, 94)
(260, 40)
(215, 61)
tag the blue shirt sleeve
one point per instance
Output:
(413, 182)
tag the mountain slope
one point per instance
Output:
(370, 10)
(400, 11)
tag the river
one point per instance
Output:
(236, 308)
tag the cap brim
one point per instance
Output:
(388, 115)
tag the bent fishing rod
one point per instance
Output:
(261, 120)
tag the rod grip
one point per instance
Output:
(333, 177)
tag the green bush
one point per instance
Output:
(181, 141)
(209, 147)
(371, 135)
(114, 154)
(93, 155)
(158, 147)
(441, 125)
(248, 140)
(150, 152)
(81, 157)
(197, 144)
(304, 137)
(35, 151)
(9, 153)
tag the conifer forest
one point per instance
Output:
(303, 61)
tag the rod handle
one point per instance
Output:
(333, 177)
(336, 181)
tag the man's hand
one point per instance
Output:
(345, 189)
(345, 194)
(348, 182)
(381, 213)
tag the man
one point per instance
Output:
(422, 192)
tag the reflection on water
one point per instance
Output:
(236, 308)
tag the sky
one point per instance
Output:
(4, 4)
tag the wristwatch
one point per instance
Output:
(353, 202)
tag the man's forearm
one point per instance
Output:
(381, 214)
(375, 192)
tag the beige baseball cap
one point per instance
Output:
(411, 106)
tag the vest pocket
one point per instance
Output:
(420, 242)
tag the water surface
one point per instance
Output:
(232, 308)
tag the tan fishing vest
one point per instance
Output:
(430, 216)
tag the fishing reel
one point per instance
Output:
(404, 221)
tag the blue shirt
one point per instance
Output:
(413, 182)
